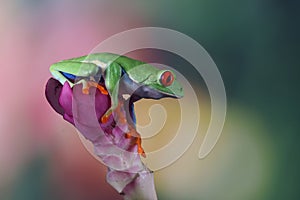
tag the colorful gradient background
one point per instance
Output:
(254, 43)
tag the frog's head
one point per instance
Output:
(162, 83)
(166, 84)
(150, 83)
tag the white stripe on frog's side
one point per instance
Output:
(100, 64)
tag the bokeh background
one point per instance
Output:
(255, 45)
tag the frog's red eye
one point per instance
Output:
(166, 78)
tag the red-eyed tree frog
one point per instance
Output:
(118, 75)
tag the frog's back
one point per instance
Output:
(128, 63)
(103, 59)
(107, 58)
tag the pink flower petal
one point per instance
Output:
(142, 187)
(65, 99)
(52, 92)
(127, 174)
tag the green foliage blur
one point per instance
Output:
(255, 45)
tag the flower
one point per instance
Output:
(126, 172)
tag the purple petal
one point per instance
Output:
(65, 99)
(127, 174)
(52, 92)
(142, 187)
(87, 111)
(119, 179)
(84, 111)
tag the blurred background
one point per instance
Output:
(255, 45)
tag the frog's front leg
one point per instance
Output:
(113, 74)
(86, 84)
(77, 72)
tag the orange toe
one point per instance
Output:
(140, 148)
(102, 89)
(104, 118)
(85, 90)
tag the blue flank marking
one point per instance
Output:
(133, 114)
(69, 76)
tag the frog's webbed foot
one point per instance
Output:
(137, 140)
